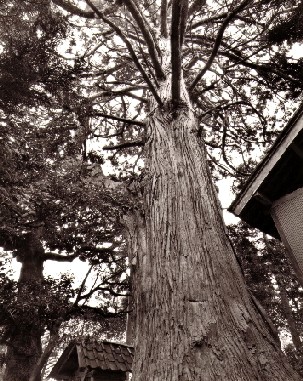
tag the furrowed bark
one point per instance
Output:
(24, 347)
(194, 319)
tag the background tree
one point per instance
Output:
(271, 279)
(51, 205)
(162, 62)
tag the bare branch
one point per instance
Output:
(127, 121)
(220, 17)
(74, 10)
(79, 296)
(218, 40)
(100, 288)
(178, 25)
(240, 60)
(129, 47)
(136, 143)
(59, 258)
(143, 25)
(163, 16)
(110, 93)
(98, 311)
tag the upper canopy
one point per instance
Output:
(279, 173)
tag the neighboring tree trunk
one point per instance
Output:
(24, 347)
(48, 350)
(289, 316)
(194, 318)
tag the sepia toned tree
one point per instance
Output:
(173, 92)
(197, 73)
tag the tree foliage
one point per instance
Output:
(77, 83)
(271, 278)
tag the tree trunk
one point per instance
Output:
(48, 350)
(193, 316)
(288, 314)
(24, 348)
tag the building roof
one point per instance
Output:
(279, 173)
(103, 355)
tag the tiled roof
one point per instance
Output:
(104, 355)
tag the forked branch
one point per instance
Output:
(218, 41)
(151, 45)
(129, 47)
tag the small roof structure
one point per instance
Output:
(93, 355)
(279, 173)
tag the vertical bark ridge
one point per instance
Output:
(24, 347)
(194, 318)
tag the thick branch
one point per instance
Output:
(178, 24)
(110, 93)
(127, 121)
(240, 60)
(59, 258)
(196, 5)
(218, 40)
(79, 296)
(164, 32)
(136, 143)
(104, 289)
(80, 310)
(143, 25)
(129, 47)
(74, 10)
(220, 17)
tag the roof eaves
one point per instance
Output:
(267, 163)
(62, 360)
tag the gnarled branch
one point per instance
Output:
(143, 25)
(218, 40)
(127, 121)
(74, 10)
(59, 258)
(136, 143)
(129, 47)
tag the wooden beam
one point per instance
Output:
(292, 129)
(263, 199)
(298, 150)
